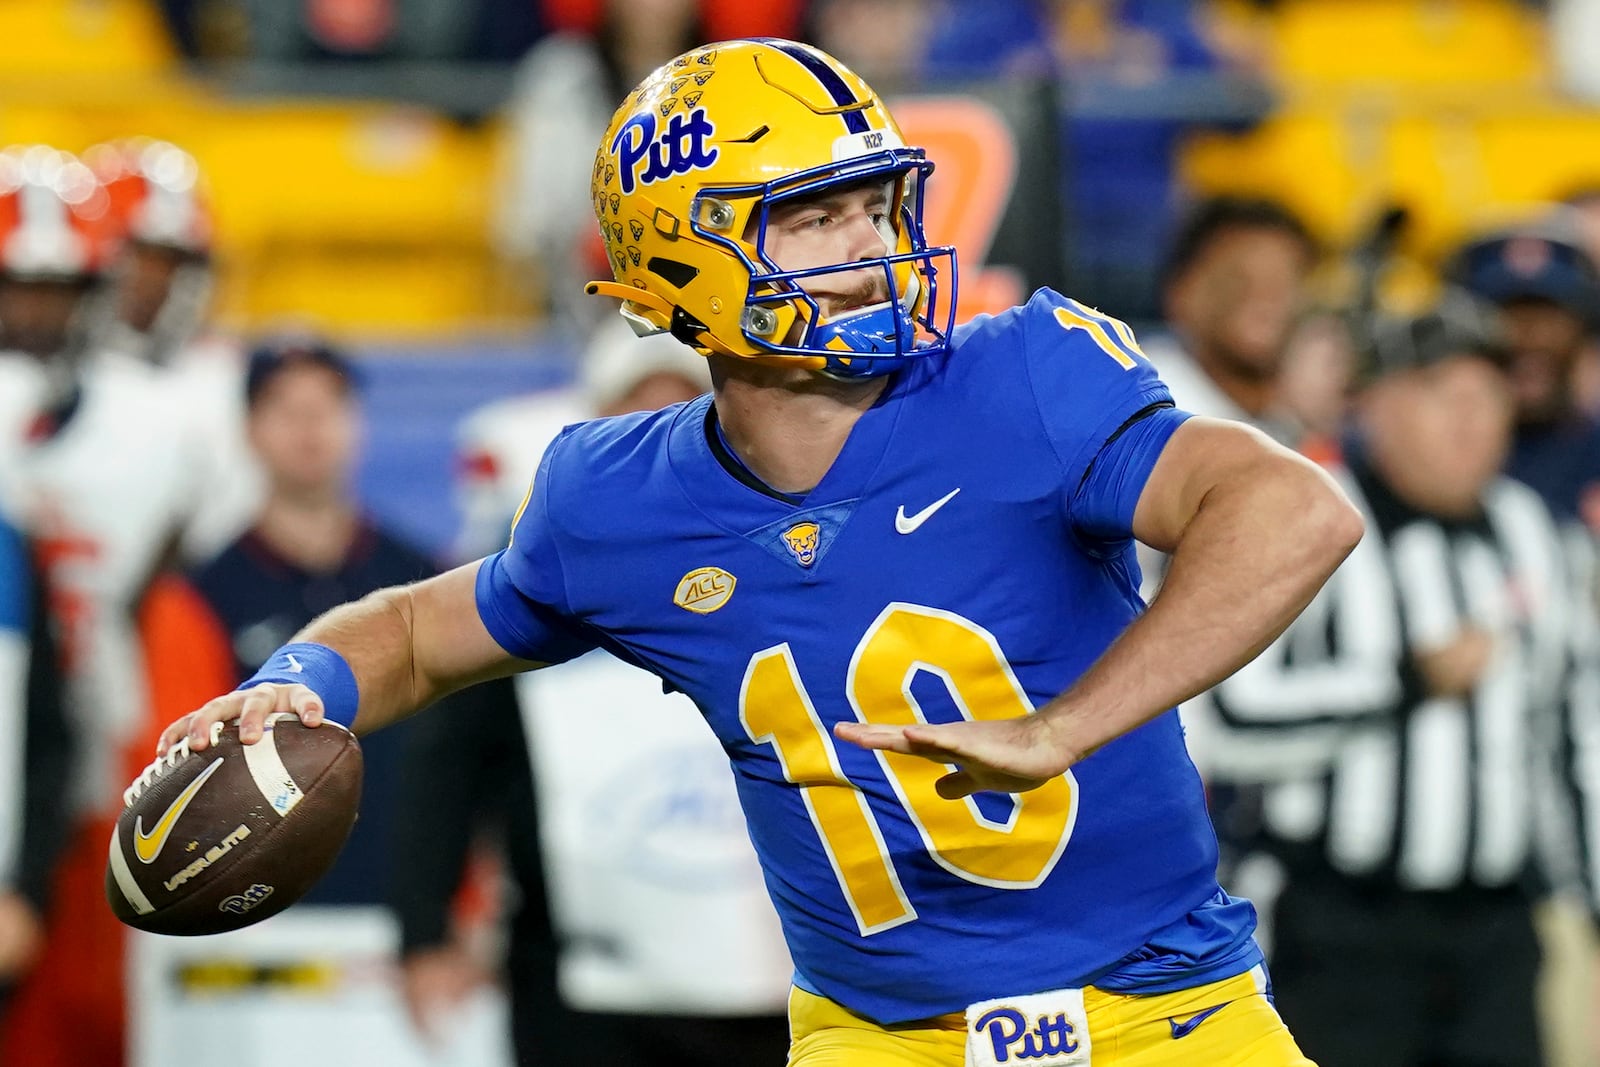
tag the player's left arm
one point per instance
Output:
(1254, 531)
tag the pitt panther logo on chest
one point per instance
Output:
(803, 539)
(682, 146)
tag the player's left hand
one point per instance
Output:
(1002, 755)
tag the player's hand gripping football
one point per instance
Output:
(251, 707)
(1003, 755)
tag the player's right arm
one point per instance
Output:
(371, 662)
(406, 646)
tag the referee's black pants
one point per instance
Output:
(1370, 975)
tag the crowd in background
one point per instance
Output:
(1407, 783)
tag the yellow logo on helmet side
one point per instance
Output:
(802, 539)
(704, 590)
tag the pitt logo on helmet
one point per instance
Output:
(699, 160)
(682, 147)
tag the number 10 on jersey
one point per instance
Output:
(1018, 852)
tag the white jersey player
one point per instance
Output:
(106, 463)
(108, 493)
(155, 310)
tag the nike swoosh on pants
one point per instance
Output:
(1187, 1026)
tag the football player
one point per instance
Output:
(164, 273)
(56, 239)
(891, 563)
(155, 311)
(105, 473)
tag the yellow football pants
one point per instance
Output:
(1124, 1031)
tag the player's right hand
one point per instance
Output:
(250, 707)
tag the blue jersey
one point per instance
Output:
(968, 554)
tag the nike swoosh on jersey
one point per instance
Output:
(295, 666)
(1187, 1027)
(148, 846)
(905, 524)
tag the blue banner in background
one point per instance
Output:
(413, 400)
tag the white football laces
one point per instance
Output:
(161, 764)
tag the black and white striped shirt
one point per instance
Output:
(1359, 764)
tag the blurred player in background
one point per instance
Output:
(1548, 292)
(103, 476)
(886, 532)
(35, 754)
(155, 310)
(669, 951)
(1233, 286)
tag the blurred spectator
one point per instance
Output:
(884, 41)
(567, 88)
(723, 19)
(972, 42)
(308, 549)
(671, 954)
(1409, 729)
(1233, 288)
(1314, 377)
(1548, 292)
(360, 29)
(35, 750)
(1121, 171)
(1118, 172)
(1584, 205)
(473, 817)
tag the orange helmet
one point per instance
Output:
(55, 217)
(160, 205)
(156, 193)
(685, 178)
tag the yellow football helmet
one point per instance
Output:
(683, 184)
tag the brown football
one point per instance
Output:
(216, 840)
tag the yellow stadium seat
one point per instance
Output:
(363, 217)
(1409, 42)
(100, 39)
(1302, 159)
(327, 172)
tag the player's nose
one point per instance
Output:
(866, 240)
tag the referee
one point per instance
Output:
(1416, 727)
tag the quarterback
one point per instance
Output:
(891, 562)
